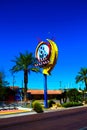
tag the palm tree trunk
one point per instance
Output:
(25, 84)
(86, 86)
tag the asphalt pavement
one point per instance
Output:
(71, 117)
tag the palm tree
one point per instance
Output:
(82, 76)
(24, 62)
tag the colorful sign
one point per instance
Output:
(46, 54)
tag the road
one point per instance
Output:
(70, 119)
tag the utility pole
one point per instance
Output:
(60, 85)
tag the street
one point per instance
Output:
(69, 119)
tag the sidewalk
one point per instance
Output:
(15, 112)
(27, 111)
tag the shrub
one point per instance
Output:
(85, 100)
(71, 104)
(50, 103)
(74, 95)
(37, 107)
(58, 105)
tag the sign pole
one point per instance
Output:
(45, 91)
(46, 55)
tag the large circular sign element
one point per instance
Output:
(43, 51)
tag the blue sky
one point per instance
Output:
(23, 22)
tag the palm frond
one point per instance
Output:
(24, 61)
(79, 78)
(35, 70)
(83, 71)
(82, 76)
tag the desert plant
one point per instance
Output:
(50, 103)
(58, 105)
(37, 107)
(72, 104)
